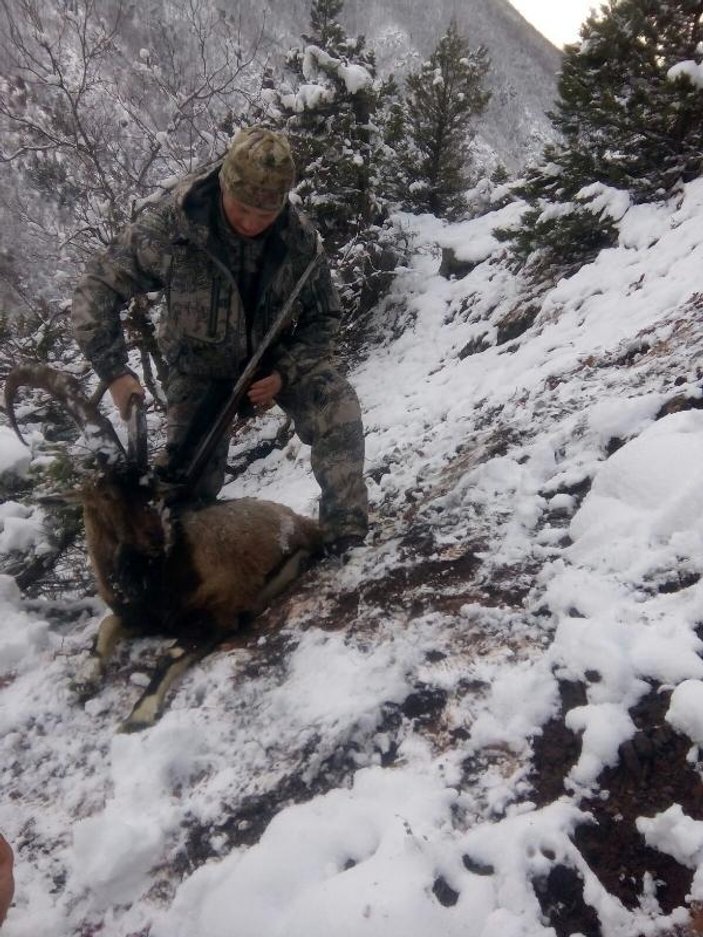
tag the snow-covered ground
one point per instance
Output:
(362, 763)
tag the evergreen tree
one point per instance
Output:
(394, 177)
(327, 110)
(626, 122)
(327, 31)
(443, 99)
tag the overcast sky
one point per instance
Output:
(558, 20)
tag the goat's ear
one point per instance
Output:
(72, 496)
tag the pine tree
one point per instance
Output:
(443, 99)
(327, 111)
(327, 31)
(626, 122)
(392, 168)
(329, 107)
(618, 104)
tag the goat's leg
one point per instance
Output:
(88, 677)
(170, 668)
(180, 657)
(279, 580)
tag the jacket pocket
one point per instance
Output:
(203, 316)
(205, 339)
(198, 300)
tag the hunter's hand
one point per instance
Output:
(122, 390)
(263, 392)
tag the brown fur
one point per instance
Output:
(190, 577)
(188, 572)
(250, 536)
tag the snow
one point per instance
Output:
(550, 461)
(603, 727)
(308, 97)
(605, 200)
(21, 528)
(520, 701)
(14, 456)
(24, 638)
(325, 866)
(685, 712)
(471, 241)
(355, 78)
(689, 69)
(675, 834)
(646, 491)
(597, 198)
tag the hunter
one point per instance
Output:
(228, 247)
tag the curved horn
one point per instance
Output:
(97, 429)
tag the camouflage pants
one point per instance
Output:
(327, 417)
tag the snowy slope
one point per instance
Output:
(440, 736)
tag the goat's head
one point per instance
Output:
(189, 573)
(121, 488)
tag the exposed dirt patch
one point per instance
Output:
(452, 267)
(433, 583)
(557, 749)
(508, 586)
(577, 490)
(560, 896)
(633, 354)
(516, 323)
(682, 579)
(613, 445)
(678, 404)
(444, 893)
(243, 823)
(651, 775)
(475, 346)
(441, 583)
(425, 705)
(427, 579)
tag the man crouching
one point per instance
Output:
(228, 247)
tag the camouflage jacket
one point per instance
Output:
(205, 330)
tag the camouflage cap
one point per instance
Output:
(258, 169)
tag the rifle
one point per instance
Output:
(188, 461)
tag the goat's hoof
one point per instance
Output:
(143, 716)
(85, 684)
(83, 692)
(131, 725)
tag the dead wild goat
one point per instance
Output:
(186, 571)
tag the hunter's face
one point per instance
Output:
(247, 221)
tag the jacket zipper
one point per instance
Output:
(214, 309)
(212, 322)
